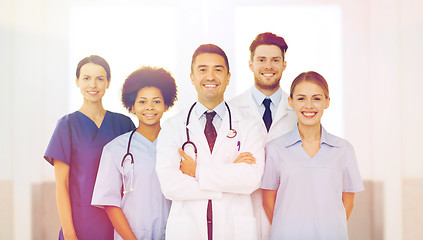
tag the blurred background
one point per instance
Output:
(368, 51)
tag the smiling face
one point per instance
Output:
(267, 65)
(149, 106)
(309, 102)
(210, 77)
(92, 82)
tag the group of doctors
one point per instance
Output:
(203, 175)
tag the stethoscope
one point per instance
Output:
(128, 154)
(231, 134)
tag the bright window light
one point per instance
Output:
(127, 37)
(314, 38)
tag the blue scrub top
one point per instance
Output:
(78, 142)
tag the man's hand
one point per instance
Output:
(245, 157)
(188, 165)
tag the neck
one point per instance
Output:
(93, 109)
(210, 104)
(309, 133)
(268, 92)
(149, 131)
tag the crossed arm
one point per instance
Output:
(189, 166)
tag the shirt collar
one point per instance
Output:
(294, 136)
(259, 96)
(219, 109)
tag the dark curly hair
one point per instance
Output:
(149, 77)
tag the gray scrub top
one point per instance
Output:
(145, 208)
(309, 190)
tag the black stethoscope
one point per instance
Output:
(128, 154)
(231, 134)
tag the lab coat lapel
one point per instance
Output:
(222, 132)
(247, 104)
(196, 132)
(282, 109)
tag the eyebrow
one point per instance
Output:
(153, 97)
(270, 57)
(303, 95)
(215, 66)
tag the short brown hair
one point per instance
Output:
(268, 38)
(209, 48)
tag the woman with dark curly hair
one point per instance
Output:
(127, 185)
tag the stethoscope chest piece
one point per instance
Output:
(232, 133)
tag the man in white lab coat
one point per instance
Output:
(210, 190)
(267, 102)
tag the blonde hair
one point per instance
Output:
(313, 77)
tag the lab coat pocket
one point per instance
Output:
(245, 228)
(177, 228)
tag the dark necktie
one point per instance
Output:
(211, 135)
(209, 130)
(267, 116)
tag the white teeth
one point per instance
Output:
(267, 74)
(210, 85)
(308, 114)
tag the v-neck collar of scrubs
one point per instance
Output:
(90, 120)
(144, 140)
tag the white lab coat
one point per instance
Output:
(284, 120)
(228, 184)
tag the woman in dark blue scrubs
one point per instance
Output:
(75, 149)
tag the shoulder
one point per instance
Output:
(241, 99)
(119, 116)
(238, 115)
(118, 141)
(65, 121)
(284, 140)
(339, 142)
(178, 119)
(121, 119)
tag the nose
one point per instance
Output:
(149, 105)
(268, 64)
(93, 83)
(210, 75)
(309, 103)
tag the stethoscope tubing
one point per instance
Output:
(232, 133)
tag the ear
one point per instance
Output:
(191, 75)
(108, 83)
(290, 102)
(327, 102)
(250, 65)
(229, 77)
(166, 108)
(284, 66)
(77, 82)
